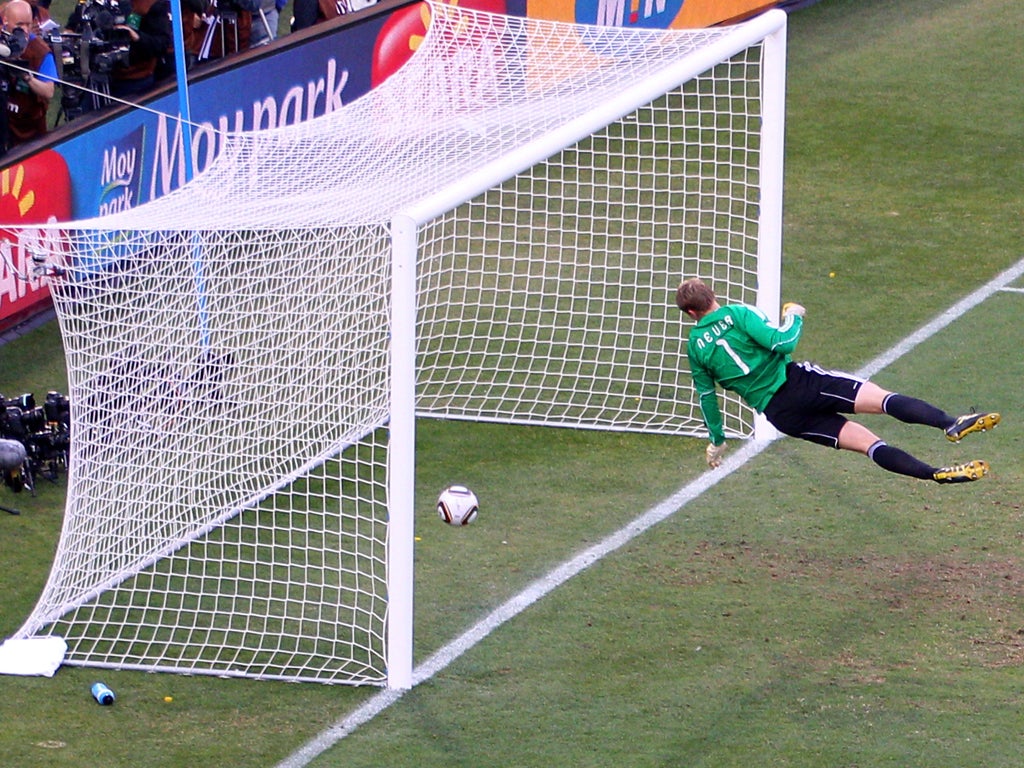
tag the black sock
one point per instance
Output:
(914, 411)
(900, 462)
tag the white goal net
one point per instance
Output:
(494, 233)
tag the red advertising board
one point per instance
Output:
(36, 190)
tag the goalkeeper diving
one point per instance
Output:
(736, 347)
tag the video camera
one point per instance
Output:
(103, 15)
(44, 431)
(12, 43)
(86, 55)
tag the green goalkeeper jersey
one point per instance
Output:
(738, 348)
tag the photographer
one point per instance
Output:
(138, 37)
(29, 88)
(192, 12)
(151, 35)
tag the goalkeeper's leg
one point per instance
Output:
(856, 437)
(873, 399)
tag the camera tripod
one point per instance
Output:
(25, 480)
(218, 26)
(93, 94)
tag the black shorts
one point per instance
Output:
(809, 404)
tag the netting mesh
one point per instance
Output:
(227, 502)
(229, 344)
(550, 298)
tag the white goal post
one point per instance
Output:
(495, 233)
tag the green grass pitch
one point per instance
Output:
(810, 610)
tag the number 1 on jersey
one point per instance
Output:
(732, 353)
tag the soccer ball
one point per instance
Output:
(457, 505)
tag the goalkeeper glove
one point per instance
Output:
(714, 454)
(792, 308)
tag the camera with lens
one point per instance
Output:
(103, 15)
(44, 431)
(87, 54)
(105, 61)
(12, 43)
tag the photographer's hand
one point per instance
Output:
(132, 33)
(44, 89)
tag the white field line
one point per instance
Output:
(555, 578)
(998, 283)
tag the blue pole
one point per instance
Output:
(184, 110)
(185, 118)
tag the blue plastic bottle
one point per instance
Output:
(102, 694)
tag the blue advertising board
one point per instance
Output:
(139, 154)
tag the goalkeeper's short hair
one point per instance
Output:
(694, 295)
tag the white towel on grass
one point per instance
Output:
(32, 655)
